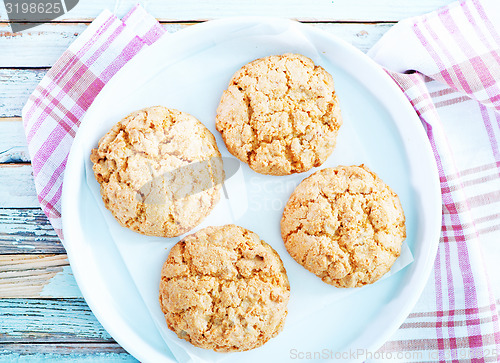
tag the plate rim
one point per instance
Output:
(143, 350)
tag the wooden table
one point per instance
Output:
(42, 312)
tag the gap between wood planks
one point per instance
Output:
(196, 10)
(193, 22)
(105, 351)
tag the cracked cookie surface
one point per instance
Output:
(160, 171)
(280, 115)
(345, 225)
(225, 289)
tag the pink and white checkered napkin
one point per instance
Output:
(448, 65)
(53, 112)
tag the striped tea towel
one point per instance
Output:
(448, 65)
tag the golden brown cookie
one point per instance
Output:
(280, 115)
(225, 289)
(160, 171)
(345, 225)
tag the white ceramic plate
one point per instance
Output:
(188, 71)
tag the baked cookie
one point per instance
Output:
(160, 171)
(280, 115)
(225, 289)
(345, 225)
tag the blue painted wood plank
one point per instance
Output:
(88, 352)
(49, 321)
(17, 186)
(13, 145)
(27, 231)
(17, 85)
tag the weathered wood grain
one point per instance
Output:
(43, 45)
(15, 263)
(16, 86)
(316, 10)
(49, 321)
(36, 276)
(17, 186)
(13, 147)
(27, 231)
(40, 46)
(73, 352)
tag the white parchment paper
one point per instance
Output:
(194, 84)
